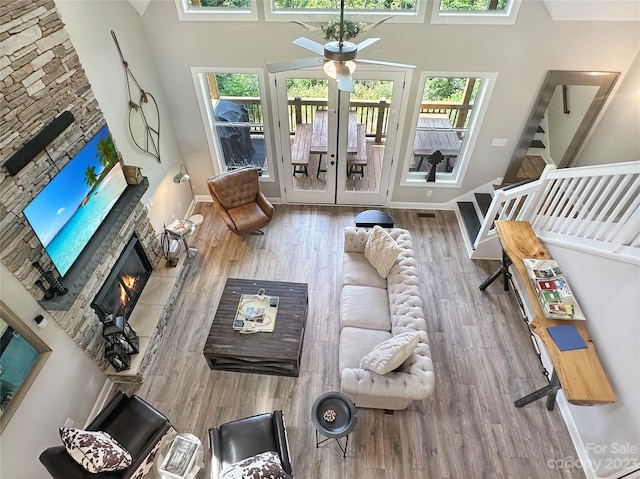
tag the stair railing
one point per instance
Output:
(596, 208)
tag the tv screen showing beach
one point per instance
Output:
(69, 210)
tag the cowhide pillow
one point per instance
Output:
(96, 451)
(262, 466)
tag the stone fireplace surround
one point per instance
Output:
(41, 76)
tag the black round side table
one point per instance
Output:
(334, 416)
(370, 218)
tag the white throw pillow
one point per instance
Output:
(390, 354)
(96, 451)
(266, 465)
(381, 250)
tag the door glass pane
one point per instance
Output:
(307, 102)
(238, 120)
(368, 123)
(443, 122)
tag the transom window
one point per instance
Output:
(475, 11)
(217, 10)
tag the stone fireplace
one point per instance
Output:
(42, 77)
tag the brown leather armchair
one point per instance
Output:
(239, 201)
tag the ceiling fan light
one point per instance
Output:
(330, 68)
(351, 65)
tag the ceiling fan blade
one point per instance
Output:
(277, 67)
(365, 43)
(388, 64)
(343, 78)
(310, 45)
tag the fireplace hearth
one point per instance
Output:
(124, 284)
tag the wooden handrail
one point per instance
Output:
(374, 114)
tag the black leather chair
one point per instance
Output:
(131, 421)
(237, 440)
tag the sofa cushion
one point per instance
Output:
(390, 354)
(265, 465)
(365, 307)
(381, 250)
(358, 271)
(356, 343)
(96, 451)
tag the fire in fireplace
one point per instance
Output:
(124, 284)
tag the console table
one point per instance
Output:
(578, 372)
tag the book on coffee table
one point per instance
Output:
(256, 313)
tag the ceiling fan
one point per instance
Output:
(337, 57)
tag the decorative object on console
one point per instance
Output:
(133, 174)
(149, 140)
(55, 287)
(38, 143)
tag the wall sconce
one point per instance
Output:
(182, 175)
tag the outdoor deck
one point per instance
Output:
(369, 181)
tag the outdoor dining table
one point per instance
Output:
(435, 136)
(319, 137)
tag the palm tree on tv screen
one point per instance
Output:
(90, 176)
(106, 152)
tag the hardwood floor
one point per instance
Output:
(482, 355)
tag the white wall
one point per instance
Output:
(66, 387)
(89, 25)
(607, 291)
(616, 137)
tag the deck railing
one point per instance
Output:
(374, 114)
(594, 207)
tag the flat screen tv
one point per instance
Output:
(69, 210)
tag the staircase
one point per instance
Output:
(593, 208)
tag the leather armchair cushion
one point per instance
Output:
(248, 217)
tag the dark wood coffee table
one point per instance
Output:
(276, 353)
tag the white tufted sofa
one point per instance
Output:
(372, 310)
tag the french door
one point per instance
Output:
(336, 147)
